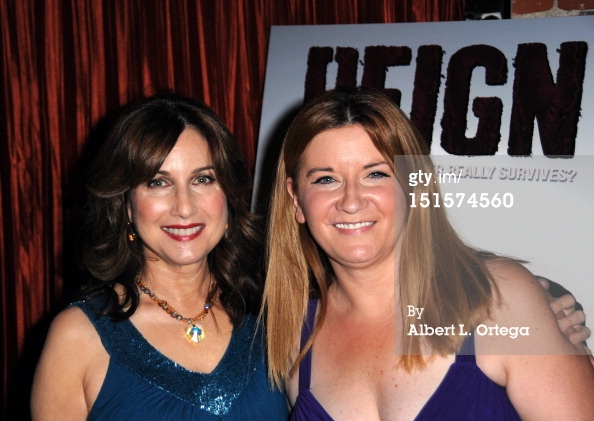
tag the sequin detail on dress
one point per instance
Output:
(143, 384)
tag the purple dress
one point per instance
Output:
(465, 393)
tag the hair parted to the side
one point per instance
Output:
(437, 270)
(136, 147)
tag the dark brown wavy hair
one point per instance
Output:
(136, 147)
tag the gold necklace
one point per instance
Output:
(195, 331)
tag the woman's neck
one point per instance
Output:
(180, 284)
(369, 291)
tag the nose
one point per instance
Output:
(352, 198)
(184, 203)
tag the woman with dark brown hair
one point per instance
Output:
(166, 326)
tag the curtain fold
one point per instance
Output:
(65, 67)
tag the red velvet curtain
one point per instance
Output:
(66, 66)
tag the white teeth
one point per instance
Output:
(353, 226)
(182, 232)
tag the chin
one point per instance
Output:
(185, 260)
(359, 258)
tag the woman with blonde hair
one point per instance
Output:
(342, 230)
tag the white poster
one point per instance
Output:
(489, 89)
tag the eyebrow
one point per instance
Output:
(375, 164)
(196, 171)
(318, 169)
(330, 169)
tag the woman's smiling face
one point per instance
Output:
(181, 214)
(348, 196)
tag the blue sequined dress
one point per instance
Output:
(143, 384)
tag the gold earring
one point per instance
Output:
(131, 234)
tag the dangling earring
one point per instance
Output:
(131, 233)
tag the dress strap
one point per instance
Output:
(305, 365)
(467, 352)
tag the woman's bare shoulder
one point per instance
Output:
(524, 346)
(517, 288)
(521, 306)
(72, 335)
(72, 324)
(511, 274)
(72, 350)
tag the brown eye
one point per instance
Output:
(204, 179)
(156, 183)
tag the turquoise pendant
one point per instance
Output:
(195, 333)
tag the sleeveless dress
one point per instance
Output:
(143, 384)
(465, 393)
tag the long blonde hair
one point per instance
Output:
(441, 273)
